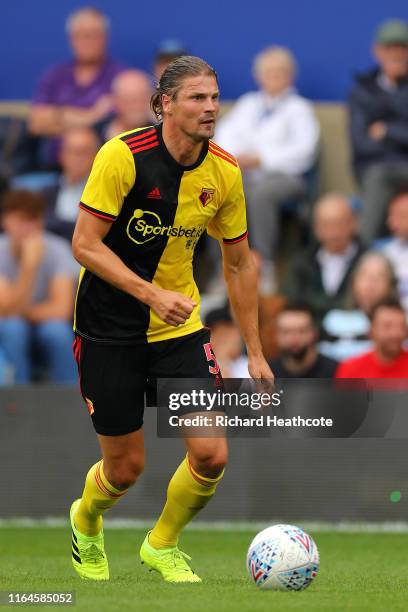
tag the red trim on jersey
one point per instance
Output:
(143, 141)
(218, 154)
(130, 139)
(235, 240)
(145, 147)
(217, 149)
(97, 213)
(221, 150)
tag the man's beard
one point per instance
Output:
(297, 354)
(201, 138)
(197, 137)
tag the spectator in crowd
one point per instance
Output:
(379, 126)
(18, 149)
(274, 134)
(298, 355)
(347, 331)
(168, 50)
(36, 291)
(320, 275)
(78, 149)
(388, 359)
(396, 248)
(77, 93)
(131, 91)
(227, 343)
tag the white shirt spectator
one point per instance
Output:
(334, 267)
(281, 130)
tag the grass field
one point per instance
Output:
(359, 571)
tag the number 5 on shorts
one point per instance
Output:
(211, 357)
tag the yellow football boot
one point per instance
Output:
(88, 553)
(171, 563)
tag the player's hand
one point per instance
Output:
(261, 372)
(32, 251)
(172, 307)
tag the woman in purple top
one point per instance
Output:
(76, 93)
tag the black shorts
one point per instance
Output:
(114, 379)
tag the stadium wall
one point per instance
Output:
(330, 39)
(47, 444)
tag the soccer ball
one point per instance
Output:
(282, 558)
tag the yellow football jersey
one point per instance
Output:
(158, 209)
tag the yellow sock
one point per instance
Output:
(187, 493)
(98, 496)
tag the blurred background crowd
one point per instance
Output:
(332, 265)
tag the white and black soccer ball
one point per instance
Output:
(282, 558)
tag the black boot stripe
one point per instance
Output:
(76, 557)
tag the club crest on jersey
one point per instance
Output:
(206, 196)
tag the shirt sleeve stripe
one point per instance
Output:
(234, 240)
(222, 156)
(97, 213)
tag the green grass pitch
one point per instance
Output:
(359, 571)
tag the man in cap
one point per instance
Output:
(379, 126)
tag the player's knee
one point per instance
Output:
(123, 475)
(215, 466)
(210, 464)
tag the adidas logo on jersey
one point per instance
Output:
(154, 194)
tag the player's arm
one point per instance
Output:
(229, 227)
(112, 177)
(91, 252)
(240, 276)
